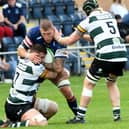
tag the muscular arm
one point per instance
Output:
(56, 66)
(22, 52)
(69, 40)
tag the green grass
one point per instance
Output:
(99, 115)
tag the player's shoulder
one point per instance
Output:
(37, 68)
(34, 30)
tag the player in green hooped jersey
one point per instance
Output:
(110, 55)
(22, 107)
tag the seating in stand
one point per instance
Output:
(67, 1)
(37, 11)
(67, 25)
(10, 46)
(55, 20)
(7, 43)
(18, 40)
(75, 18)
(59, 6)
(70, 7)
(43, 2)
(32, 2)
(34, 10)
(48, 9)
(64, 18)
(67, 29)
(56, 1)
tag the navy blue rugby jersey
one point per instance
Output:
(34, 36)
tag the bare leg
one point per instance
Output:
(70, 98)
(114, 95)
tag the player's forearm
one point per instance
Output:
(68, 40)
(65, 40)
(55, 67)
(22, 52)
(8, 22)
(52, 67)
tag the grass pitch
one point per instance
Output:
(99, 115)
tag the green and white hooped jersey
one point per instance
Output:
(102, 27)
(25, 82)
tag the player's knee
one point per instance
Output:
(53, 107)
(38, 119)
(45, 106)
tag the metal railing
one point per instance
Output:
(76, 48)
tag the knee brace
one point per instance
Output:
(43, 105)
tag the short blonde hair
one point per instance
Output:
(46, 24)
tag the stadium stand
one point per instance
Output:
(43, 2)
(70, 7)
(75, 19)
(55, 20)
(48, 9)
(59, 8)
(67, 24)
(62, 13)
(36, 11)
(10, 45)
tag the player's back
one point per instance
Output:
(25, 82)
(102, 27)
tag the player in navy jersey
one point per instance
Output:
(44, 34)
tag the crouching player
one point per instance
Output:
(22, 107)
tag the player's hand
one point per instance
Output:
(34, 57)
(57, 34)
